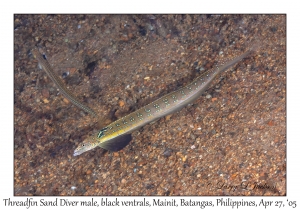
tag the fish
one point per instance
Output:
(59, 83)
(117, 135)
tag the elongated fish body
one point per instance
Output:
(59, 83)
(116, 135)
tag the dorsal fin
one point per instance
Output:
(117, 143)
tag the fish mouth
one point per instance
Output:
(76, 153)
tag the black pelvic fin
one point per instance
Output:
(117, 143)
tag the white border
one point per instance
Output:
(153, 6)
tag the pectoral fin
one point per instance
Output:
(117, 143)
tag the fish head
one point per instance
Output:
(89, 143)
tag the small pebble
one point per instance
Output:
(168, 117)
(65, 74)
(208, 96)
(121, 103)
(167, 152)
(66, 101)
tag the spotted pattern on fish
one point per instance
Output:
(118, 135)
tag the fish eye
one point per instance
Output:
(82, 145)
